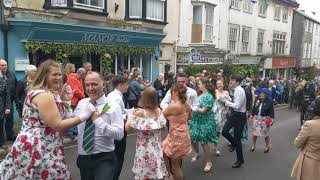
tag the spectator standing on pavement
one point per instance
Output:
(159, 86)
(75, 82)
(203, 123)
(97, 159)
(11, 84)
(134, 91)
(237, 119)
(22, 87)
(307, 165)
(38, 151)
(68, 69)
(87, 66)
(120, 84)
(192, 83)
(262, 112)
(5, 107)
(148, 121)
(177, 144)
(272, 89)
(108, 87)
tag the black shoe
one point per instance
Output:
(266, 150)
(232, 148)
(237, 164)
(252, 149)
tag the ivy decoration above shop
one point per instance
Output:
(63, 51)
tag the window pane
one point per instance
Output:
(155, 10)
(135, 8)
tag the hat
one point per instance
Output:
(271, 82)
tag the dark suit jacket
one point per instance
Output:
(266, 110)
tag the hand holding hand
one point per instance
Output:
(67, 93)
(7, 111)
(95, 115)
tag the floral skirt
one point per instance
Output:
(259, 127)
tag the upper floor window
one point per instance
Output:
(307, 25)
(233, 36)
(59, 3)
(146, 9)
(260, 41)
(310, 27)
(285, 15)
(135, 8)
(89, 4)
(209, 23)
(155, 10)
(277, 13)
(247, 6)
(278, 43)
(235, 4)
(263, 8)
(245, 39)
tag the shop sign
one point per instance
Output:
(21, 64)
(103, 39)
(283, 62)
(209, 60)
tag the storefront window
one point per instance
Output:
(134, 61)
(146, 67)
(122, 63)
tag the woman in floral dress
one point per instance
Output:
(148, 121)
(203, 123)
(220, 109)
(38, 151)
(177, 145)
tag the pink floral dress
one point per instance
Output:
(38, 152)
(148, 161)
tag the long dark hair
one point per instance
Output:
(205, 81)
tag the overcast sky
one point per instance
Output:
(311, 5)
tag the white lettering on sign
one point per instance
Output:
(103, 39)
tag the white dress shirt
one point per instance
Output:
(117, 97)
(191, 95)
(108, 127)
(239, 100)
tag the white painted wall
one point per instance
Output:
(315, 56)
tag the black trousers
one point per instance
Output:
(9, 124)
(2, 134)
(120, 149)
(97, 166)
(236, 121)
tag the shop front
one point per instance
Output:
(279, 67)
(30, 41)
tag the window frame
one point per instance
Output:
(285, 14)
(247, 4)
(89, 7)
(245, 40)
(235, 4)
(259, 42)
(73, 5)
(262, 7)
(130, 16)
(235, 37)
(206, 24)
(279, 43)
(277, 13)
(163, 11)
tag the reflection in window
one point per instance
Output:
(122, 63)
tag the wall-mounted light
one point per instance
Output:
(116, 7)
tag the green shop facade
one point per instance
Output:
(108, 49)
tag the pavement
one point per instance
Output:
(276, 165)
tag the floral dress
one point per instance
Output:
(38, 152)
(148, 160)
(221, 110)
(203, 125)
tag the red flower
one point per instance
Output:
(54, 166)
(43, 148)
(55, 151)
(27, 146)
(33, 119)
(48, 130)
(44, 174)
(23, 138)
(14, 152)
(36, 155)
(63, 161)
(36, 141)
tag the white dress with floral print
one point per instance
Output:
(148, 161)
(38, 152)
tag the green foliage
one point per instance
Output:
(309, 73)
(65, 50)
(106, 62)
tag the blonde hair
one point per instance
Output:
(30, 68)
(40, 81)
(68, 68)
(148, 99)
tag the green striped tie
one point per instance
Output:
(88, 136)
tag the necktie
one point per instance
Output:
(88, 136)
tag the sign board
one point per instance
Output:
(21, 64)
(283, 62)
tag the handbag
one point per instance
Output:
(268, 121)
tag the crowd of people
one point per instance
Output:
(98, 112)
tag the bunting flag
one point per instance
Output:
(290, 10)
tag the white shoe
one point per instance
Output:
(208, 167)
(195, 158)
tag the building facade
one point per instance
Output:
(251, 31)
(305, 40)
(129, 30)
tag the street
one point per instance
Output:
(275, 165)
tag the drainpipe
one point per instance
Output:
(4, 28)
(176, 41)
